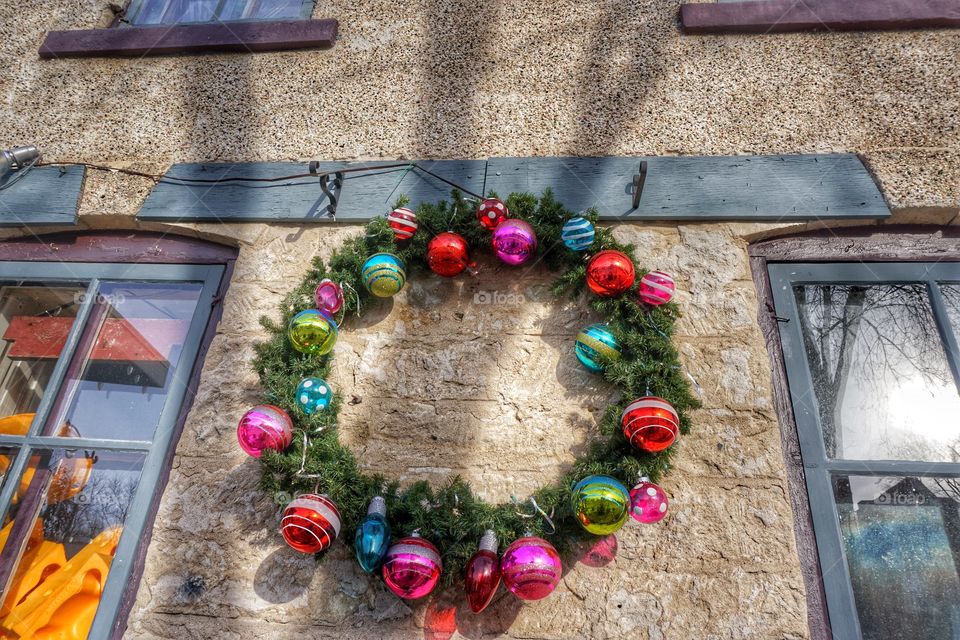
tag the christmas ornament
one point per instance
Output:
(531, 568)
(648, 502)
(610, 273)
(577, 233)
(313, 332)
(596, 342)
(373, 536)
(514, 241)
(483, 573)
(656, 288)
(601, 504)
(383, 274)
(403, 221)
(650, 423)
(328, 296)
(491, 213)
(447, 254)
(313, 394)
(264, 427)
(310, 523)
(412, 567)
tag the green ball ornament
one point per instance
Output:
(384, 275)
(601, 504)
(312, 332)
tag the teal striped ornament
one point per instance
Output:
(594, 343)
(578, 233)
(383, 274)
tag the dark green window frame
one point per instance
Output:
(140, 512)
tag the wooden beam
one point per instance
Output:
(249, 37)
(42, 196)
(777, 16)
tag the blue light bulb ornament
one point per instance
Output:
(373, 536)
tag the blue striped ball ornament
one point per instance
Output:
(577, 233)
(594, 343)
(384, 275)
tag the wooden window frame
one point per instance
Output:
(903, 244)
(114, 256)
(780, 16)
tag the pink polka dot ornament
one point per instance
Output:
(648, 502)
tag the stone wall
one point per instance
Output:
(450, 383)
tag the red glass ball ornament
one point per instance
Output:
(412, 567)
(483, 573)
(447, 254)
(648, 502)
(610, 273)
(491, 213)
(650, 423)
(656, 288)
(310, 523)
(403, 221)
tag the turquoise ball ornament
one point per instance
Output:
(601, 504)
(372, 539)
(578, 233)
(594, 343)
(312, 332)
(384, 275)
(313, 395)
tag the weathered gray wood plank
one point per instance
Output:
(791, 187)
(364, 195)
(44, 196)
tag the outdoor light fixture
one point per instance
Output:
(17, 158)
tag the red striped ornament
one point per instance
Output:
(310, 523)
(403, 221)
(656, 288)
(650, 423)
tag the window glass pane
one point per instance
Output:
(260, 9)
(34, 323)
(71, 509)
(951, 298)
(883, 387)
(174, 11)
(128, 358)
(902, 542)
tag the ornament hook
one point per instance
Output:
(303, 462)
(537, 509)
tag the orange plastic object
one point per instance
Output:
(64, 605)
(36, 565)
(71, 476)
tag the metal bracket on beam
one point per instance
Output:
(638, 180)
(333, 194)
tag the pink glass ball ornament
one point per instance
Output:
(648, 502)
(412, 567)
(514, 241)
(531, 568)
(656, 288)
(264, 427)
(328, 296)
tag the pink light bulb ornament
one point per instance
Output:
(648, 502)
(264, 427)
(531, 568)
(656, 288)
(328, 297)
(412, 567)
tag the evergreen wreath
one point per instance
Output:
(452, 516)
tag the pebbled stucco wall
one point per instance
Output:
(450, 384)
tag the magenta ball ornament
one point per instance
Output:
(412, 567)
(648, 502)
(656, 288)
(328, 296)
(514, 241)
(531, 568)
(264, 427)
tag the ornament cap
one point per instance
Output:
(642, 477)
(378, 506)
(489, 541)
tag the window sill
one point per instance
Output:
(777, 16)
(191, 38)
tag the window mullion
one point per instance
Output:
(893, 468)
(946, 331)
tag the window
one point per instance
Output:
(873, 367)
(157, 12)
(95, 365)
